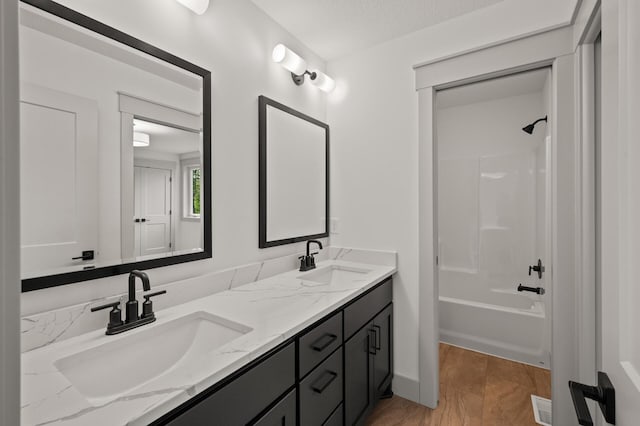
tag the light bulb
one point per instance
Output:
(289, 59)
(323, 82)
(140, 139)
(197, 6)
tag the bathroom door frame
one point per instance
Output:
(554, 49)
(9, 215)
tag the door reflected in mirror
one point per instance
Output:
(166, 190)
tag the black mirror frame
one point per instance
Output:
(98, 27)
(263, 102)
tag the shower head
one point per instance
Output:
(529, 128)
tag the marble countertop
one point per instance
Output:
(275, 309)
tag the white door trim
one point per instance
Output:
(428, 322)
(9, 216)
(554, 48)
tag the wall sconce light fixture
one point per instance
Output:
(197, 6)
(298, 67)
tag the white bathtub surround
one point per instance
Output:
(274, 308)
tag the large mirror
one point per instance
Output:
(294, 175)
(115, 151)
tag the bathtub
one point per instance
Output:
(496, 321)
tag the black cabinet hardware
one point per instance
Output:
(539, 269)
(324, 381)
(86, 255)
(371, 341)
(538, 290)
(377, 332)
(323, 342)
(604, 393)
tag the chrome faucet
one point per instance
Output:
(308, 262)
(132, 319)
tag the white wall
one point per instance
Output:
(9, 217)
(374, 126)
(234, 40)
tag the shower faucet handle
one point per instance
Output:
(539, 269)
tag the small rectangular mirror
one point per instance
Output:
(294, 175)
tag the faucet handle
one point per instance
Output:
(114, 305)
(147, 305)
(115, 316)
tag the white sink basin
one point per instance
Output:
(108, 371)
(334, 274)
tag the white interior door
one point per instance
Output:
(620, 205)
(58, 178)
(152, 207)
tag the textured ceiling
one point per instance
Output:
(335, 28)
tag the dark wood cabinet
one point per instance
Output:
(383, 357)
(368, 359)
(243, 398)
(330, 374)
(358, 377)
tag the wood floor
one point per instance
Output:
(475, 389)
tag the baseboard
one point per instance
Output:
(406, 387)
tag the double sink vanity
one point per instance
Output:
(296, 348)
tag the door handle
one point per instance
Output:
(371, 345)
(604, 393)
(538, 290)
(86, 255)
(377, 330)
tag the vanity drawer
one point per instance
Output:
(321, 391)
(316, 344)
(336, 417)
(248, 395)
(282, 414)
(362, 310)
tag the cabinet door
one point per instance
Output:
(283, 414)
(358, 376)
(383, 360)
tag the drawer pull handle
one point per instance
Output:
(324, 381)
(378, 332)
(323, 342)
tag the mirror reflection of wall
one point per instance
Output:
(294, 175)
(167, 172)
(78, 89)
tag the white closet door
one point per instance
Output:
(59, 182)
(153, 209)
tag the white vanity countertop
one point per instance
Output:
(275, 309)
